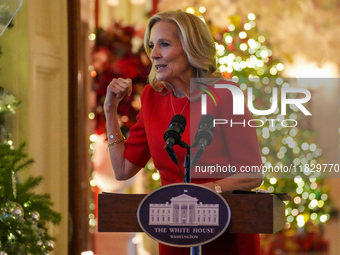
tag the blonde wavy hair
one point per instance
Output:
(197, 43)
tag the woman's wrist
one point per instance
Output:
(110, 110)
(115, 142)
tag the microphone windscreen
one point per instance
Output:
(179, 119)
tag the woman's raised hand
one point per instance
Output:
(117, 89)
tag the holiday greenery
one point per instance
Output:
(118, 52)
(24, 215)
(114, 56)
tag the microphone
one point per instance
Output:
(204, 136)
(173, 135)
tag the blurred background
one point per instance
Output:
(57, 57)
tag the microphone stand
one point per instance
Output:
(195, 250)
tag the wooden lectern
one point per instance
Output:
(250, 212)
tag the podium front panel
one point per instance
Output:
(250, 213)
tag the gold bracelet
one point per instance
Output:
(218, 188)
(122, 139)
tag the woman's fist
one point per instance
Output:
(116, 91)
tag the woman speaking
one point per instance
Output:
(181, 47)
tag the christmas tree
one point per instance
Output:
(244, 56)
(24, 215)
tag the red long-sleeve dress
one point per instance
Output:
(236, 145)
